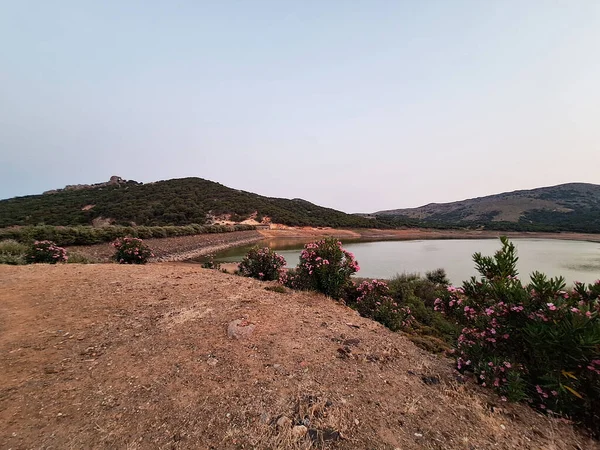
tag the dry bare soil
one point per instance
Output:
(138, 357)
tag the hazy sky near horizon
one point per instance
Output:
(355, 105)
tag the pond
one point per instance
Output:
(574, 260)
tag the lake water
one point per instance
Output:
(574, 260)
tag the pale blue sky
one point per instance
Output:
(356, 105)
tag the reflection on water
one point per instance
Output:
(575, 260)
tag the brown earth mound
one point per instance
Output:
(138, 357)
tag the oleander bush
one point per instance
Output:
(375, 302)
(130, 250)
(263, 264)
(45, 252)
(535, 341)
(324, 267)
(210, 263)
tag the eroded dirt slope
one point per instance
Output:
(109, 356)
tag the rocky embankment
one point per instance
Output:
(177, 248)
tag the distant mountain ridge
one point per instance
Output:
(572, 207)
(567, 207)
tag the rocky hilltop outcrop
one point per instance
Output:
(113, 181)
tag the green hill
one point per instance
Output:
(566, 207)
(172, 202)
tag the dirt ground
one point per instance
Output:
(138, 357)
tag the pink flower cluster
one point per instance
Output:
(375, 302)
(129, 250)
(491, 325)
(264, 264)
(47, 252)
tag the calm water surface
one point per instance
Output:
(574, 260)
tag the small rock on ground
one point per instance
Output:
(240, 329)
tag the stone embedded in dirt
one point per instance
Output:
(50, 369)
(431, 380)
(284, 422)
(351, 342)
(279, 369)
(322, 436)
(212, 361)
(344, 352)
(299, 431)
(240, 329)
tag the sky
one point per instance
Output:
(356, 105)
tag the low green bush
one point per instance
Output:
(12, 252)
(80, 258)
(277, 288)
(210, 263)
(374, 301)
(438, 276)
(419, 294)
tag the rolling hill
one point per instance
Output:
(173, 202)
(566, 207)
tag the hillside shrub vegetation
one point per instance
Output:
(374, 301)
(263, 264)
(130, 250)
(534, 341)
(87, 235)
(429, 328)
(12, 252)
(210, 263)
(178, 202)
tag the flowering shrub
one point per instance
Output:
(374, 301)
(325, 267)
(536, 341)
(262, 263)
(130, 250)
(210, 263)
(46, 252)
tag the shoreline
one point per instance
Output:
(183, 248)
(202, 251)
(419, 233)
